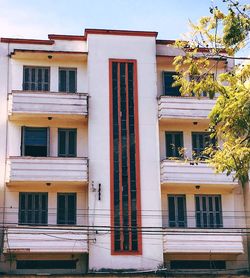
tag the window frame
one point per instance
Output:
(33, 211)
(23, 136)
(198, 154)
(173, 133)
(36, 78)
(176, 209)
(206, 212)
(67, 80)
(67, 130)
(195, 77)
(175, 89)
(67, 221)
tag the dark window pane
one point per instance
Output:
(72, 143)
(36, 78)
(67, 142)
(72, 81)
(66, 208)
(62, 81)
(197, 264)
(62, 143)
(168, 82)
(174, 143)
(33, 208)
(201, 140)
(46, 264)
(35, 141)
(177, 210)
(67, 80)
(208, 211)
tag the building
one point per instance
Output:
(89, 126)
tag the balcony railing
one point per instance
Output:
(45, 240)
(31, 103)
(216, 241)
(47, 169)
(184, 107)
(173, 171)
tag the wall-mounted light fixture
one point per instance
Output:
(99, 192)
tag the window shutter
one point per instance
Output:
(168, 80)
(177, 211)
(48, 141)
(174, 142)
(22, 147)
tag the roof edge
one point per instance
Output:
(120, 32)
(26, 41)
(66, 37)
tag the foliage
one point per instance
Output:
(208, 51)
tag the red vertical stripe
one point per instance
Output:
(128, 160)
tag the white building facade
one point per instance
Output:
(91, 176)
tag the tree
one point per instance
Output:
(214, 41)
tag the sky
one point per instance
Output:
(38, 18)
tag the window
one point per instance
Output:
(168, 80)
(66, 208)
(67, 142)
(67, 80)
(174, 143)
(46, 264)
(208, 211)
(200, 141)
(33, 208)
(36, 78)
(35, 141)
(199, 264)
(177, 211)
(198, 78)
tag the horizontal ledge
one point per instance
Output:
(15, 51)
(46, 93)
(47, 157)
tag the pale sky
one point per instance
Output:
(37, 18)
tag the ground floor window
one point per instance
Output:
(197, 264)
(46, 264)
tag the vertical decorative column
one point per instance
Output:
(124, 158)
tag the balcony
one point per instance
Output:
(29, 104)
(216, 241)
(181, 172)
(45, 240)
(47, 169)
(187, 108)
